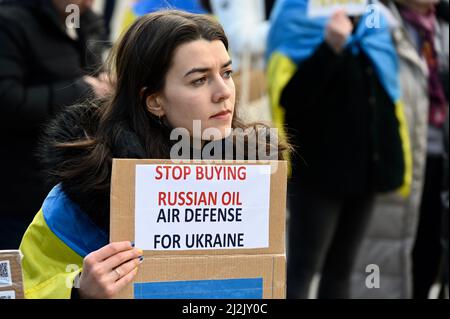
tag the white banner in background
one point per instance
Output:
(325, 8)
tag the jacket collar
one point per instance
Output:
(405, 45)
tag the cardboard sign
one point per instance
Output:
(207, 231)
(11, 280)
(325, 8)
(184, 207)
(252, 276)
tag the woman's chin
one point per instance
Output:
(216, 133)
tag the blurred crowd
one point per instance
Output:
(363, 99)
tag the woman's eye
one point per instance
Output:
(199, 82)
(227, 74)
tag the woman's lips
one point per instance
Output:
(224, 115)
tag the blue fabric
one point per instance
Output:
(243, 288)
(66, 220)
(146, 6)
(296, 36)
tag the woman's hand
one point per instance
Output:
(338, 30)
(108, 270)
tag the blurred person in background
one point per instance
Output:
(333, 81)
(246, 24)
(390, 238)
(108, 13)
(428, 37)
(444, 293)
(45, 65)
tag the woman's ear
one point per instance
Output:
(154, 105)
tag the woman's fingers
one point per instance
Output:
(125, 280)
(123, 270)
(103, 268)
(122, 257)
(109, 250)
(130, 269)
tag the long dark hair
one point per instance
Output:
(141, 59)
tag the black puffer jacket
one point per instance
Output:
(74, 124)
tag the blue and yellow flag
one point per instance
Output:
(294, 37)
(141, 7)
(54, 246)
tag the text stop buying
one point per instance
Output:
(201, 172)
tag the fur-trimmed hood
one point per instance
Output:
(75, 124)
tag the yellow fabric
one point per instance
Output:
(49, 266)
(128, 18)
(405, 189)
(279, 71)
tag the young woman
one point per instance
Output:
(170, 68)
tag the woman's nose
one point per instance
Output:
(222, 90)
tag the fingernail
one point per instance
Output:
(141, 258)
(140, 252)
(132, 243)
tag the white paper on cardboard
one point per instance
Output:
(191, 207)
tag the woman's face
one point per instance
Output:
(198, 86)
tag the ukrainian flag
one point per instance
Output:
(54, 247)
(294, 37)
(141, 7)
